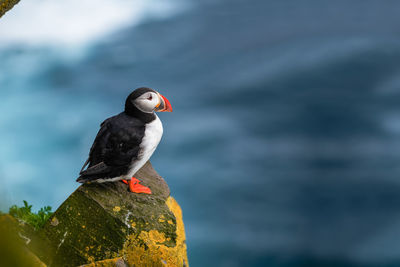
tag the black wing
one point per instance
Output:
(115, 147)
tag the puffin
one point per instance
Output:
(125, 142)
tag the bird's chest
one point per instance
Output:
(152, 136)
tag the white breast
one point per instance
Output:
(150, 141)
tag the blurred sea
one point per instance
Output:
(284, 143)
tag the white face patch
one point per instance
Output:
(147, 102)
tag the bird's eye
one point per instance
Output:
(150, 97)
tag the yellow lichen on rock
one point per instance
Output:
(116, 209)
(105, 224)
(54, 221)
(180, 227)
(6, 5)
(161, 219)
(150, 249)
(107, 263)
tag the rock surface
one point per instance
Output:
(13, 241)
(6, 5)
(106, 225)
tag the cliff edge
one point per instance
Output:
(106, 225)
(6, 5)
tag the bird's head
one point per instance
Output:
(147, 100)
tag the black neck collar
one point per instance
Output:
(133, 111)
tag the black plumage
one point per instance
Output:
(117, 144)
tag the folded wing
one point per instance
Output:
(115, 148)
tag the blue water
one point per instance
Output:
(284, 143)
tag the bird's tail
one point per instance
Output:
(83, 179)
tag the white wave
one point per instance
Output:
(76, 22)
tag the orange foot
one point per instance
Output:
(135, 187)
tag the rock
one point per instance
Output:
(13, 241)
(6, 5)
(106, 225)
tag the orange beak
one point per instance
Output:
(165, 105)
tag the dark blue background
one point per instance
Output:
(284, 143)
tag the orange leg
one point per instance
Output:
(135, 187)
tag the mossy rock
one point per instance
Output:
(107, 224)
(13, 243)
(6, 5)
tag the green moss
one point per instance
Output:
(25, 214)
(107, 222)
(81, 231)
(13, 251)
